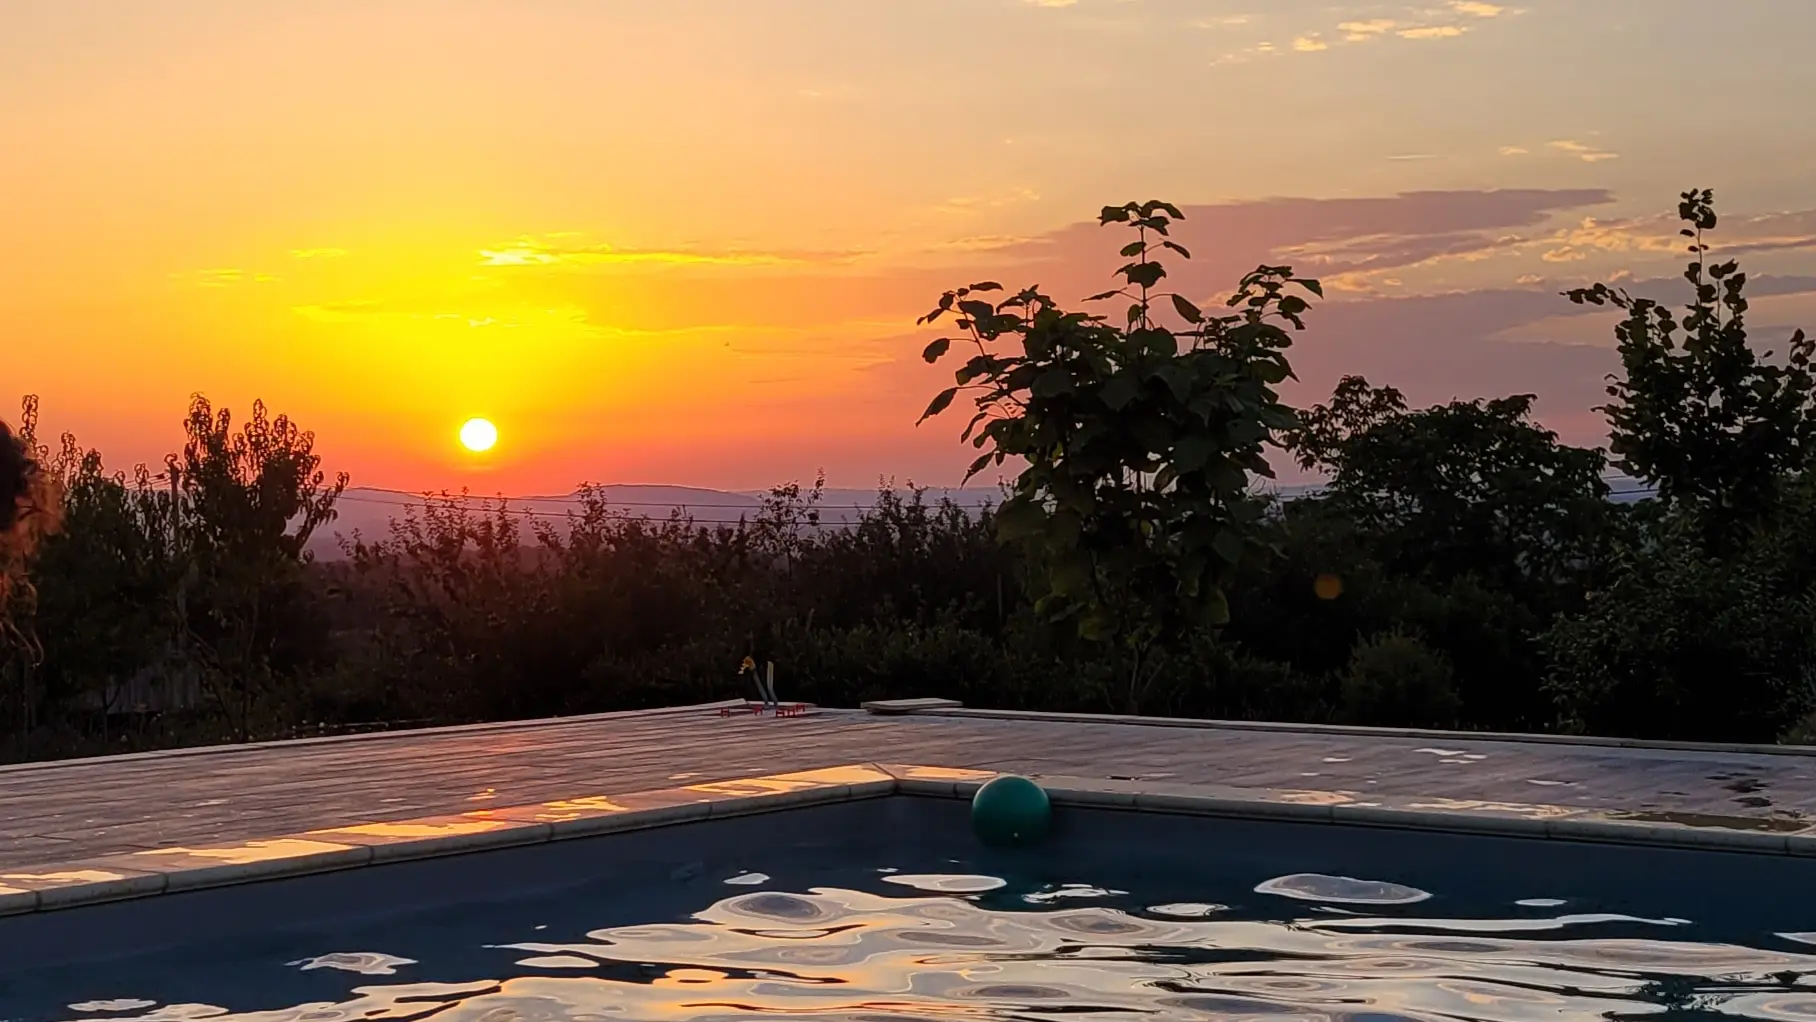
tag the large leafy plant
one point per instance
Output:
(1713, 424)
(1138, 439)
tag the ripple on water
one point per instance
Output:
(366, 963)
(947, 883)
(1342, 890)
(1188, 909)
(792, 907)
(931, 952)
(1065, 891)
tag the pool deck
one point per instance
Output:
(84, 810)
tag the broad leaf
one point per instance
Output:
(1018, 519)
(939, 403)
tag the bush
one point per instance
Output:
(1395, 679)
(1688, 645)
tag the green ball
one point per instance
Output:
(1011, 810)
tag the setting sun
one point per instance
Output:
(478, 435)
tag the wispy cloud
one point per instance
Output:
(966, 204)
(1513, 150)
(539, 252)
(317, 253)
(1657, 236)
(222, 277)
(1049, 3)
(1432, 32)
(1310, 44)
(1363, 31)
(1420, 23)
(1583, 151)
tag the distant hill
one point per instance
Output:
(368, 512)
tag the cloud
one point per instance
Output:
(1586, 153)
(1362, 31)
(222, 277)
(1049, 3)
(969, 204)
(1432, 32)
(1477, 8)
(531, 252)
(317, 253)
(1516, 335)
(1330, 235)
(1310, 44)
(1657, 236)
(1513, 150)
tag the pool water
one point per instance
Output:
(800, 933)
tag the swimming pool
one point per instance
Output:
(887, 909)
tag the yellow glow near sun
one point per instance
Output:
(478, 435)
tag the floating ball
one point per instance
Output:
(1011, 810)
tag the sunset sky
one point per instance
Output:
(686, 241)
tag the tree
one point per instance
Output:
(1701, 416)
(1688, 644)
(105, 582)
(1464, 488)
(246, 504)
(1139, 439)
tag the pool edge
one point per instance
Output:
(142, 874)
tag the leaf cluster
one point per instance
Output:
(1138, 437)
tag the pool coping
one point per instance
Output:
(939, 707)
(143, 873)
(484, 727)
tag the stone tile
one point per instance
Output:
(436, 835)
(186, 868)
(528, 773)
(80, 884)
(1089, 791)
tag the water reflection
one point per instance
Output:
(962, 947)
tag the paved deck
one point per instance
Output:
(64, 812)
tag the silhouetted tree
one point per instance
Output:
(246, 504)
(1698, 412)
(1139, 440)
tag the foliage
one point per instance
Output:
(1701, 415)
(1688, 644)
(245, 504)
(1393, 678)
(1139, 438)
(1464, 488)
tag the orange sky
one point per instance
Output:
(686, 242)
